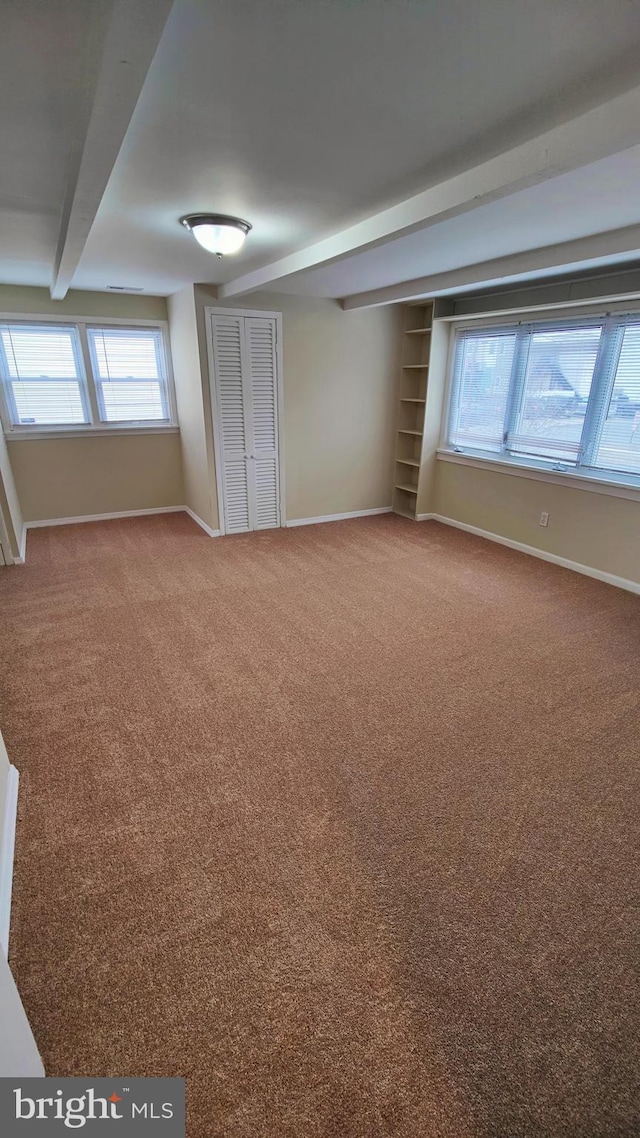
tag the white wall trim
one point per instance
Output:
(22, 555)
(338, 517)
(44, 522)
(203, 525)
(17, 436)
(5, 544)
(6, 855)
(542, 554)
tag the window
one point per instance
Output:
(128, 367)
(483, 370)
(564, 394)
(78, 376)
(43, 375)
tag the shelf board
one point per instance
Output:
(408, 486)
(414, 367)
(417, 331)
(405, 514)
(409, 461)
(405, 399)
(406, 431)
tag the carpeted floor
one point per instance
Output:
(336, 821)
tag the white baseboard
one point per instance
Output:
(338, 517)
(44, 522)
(564, 562)
(7, 846)
(199, 521)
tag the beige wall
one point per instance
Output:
(99, 474)
(95, 474)
(596, 530)
(36, 301)
(192, 402)
(340, 373)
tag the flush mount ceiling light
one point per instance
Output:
(215, 232)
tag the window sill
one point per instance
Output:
(599, 484)
(87, 432)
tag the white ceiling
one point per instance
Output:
(601, 196)
(308, 118)
(49, 57)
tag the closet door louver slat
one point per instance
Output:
(261, 360)
(266, 487)
(228, 354)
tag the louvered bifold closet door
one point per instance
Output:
(260, 355)
(230, 370)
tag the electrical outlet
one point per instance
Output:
(544, 518)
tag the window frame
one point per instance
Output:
(88, 381)
(590, 477)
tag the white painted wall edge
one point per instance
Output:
(203, 525)
(22, 555)
(564, 562)
(6, 855)
(338, 517)
(19, 1057)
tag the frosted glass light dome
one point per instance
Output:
(217, 233)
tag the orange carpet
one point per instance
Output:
(338, 822)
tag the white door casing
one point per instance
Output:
(6, 556)
(18, 1051)
(246, 397)
(19, 1057)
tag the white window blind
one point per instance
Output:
(78, 375)
(558, 371)
(42, 374)
(563, 393)
(619, 442)
(130, 374)
(483, 370)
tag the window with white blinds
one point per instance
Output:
(79, 375)
(43, 375)
(130, 375)
(560, 394)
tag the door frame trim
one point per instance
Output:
(5, 543)
(7, 848)
(216, 310)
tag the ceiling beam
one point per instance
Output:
(596, 134)
(614, 242)
(131, 41)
